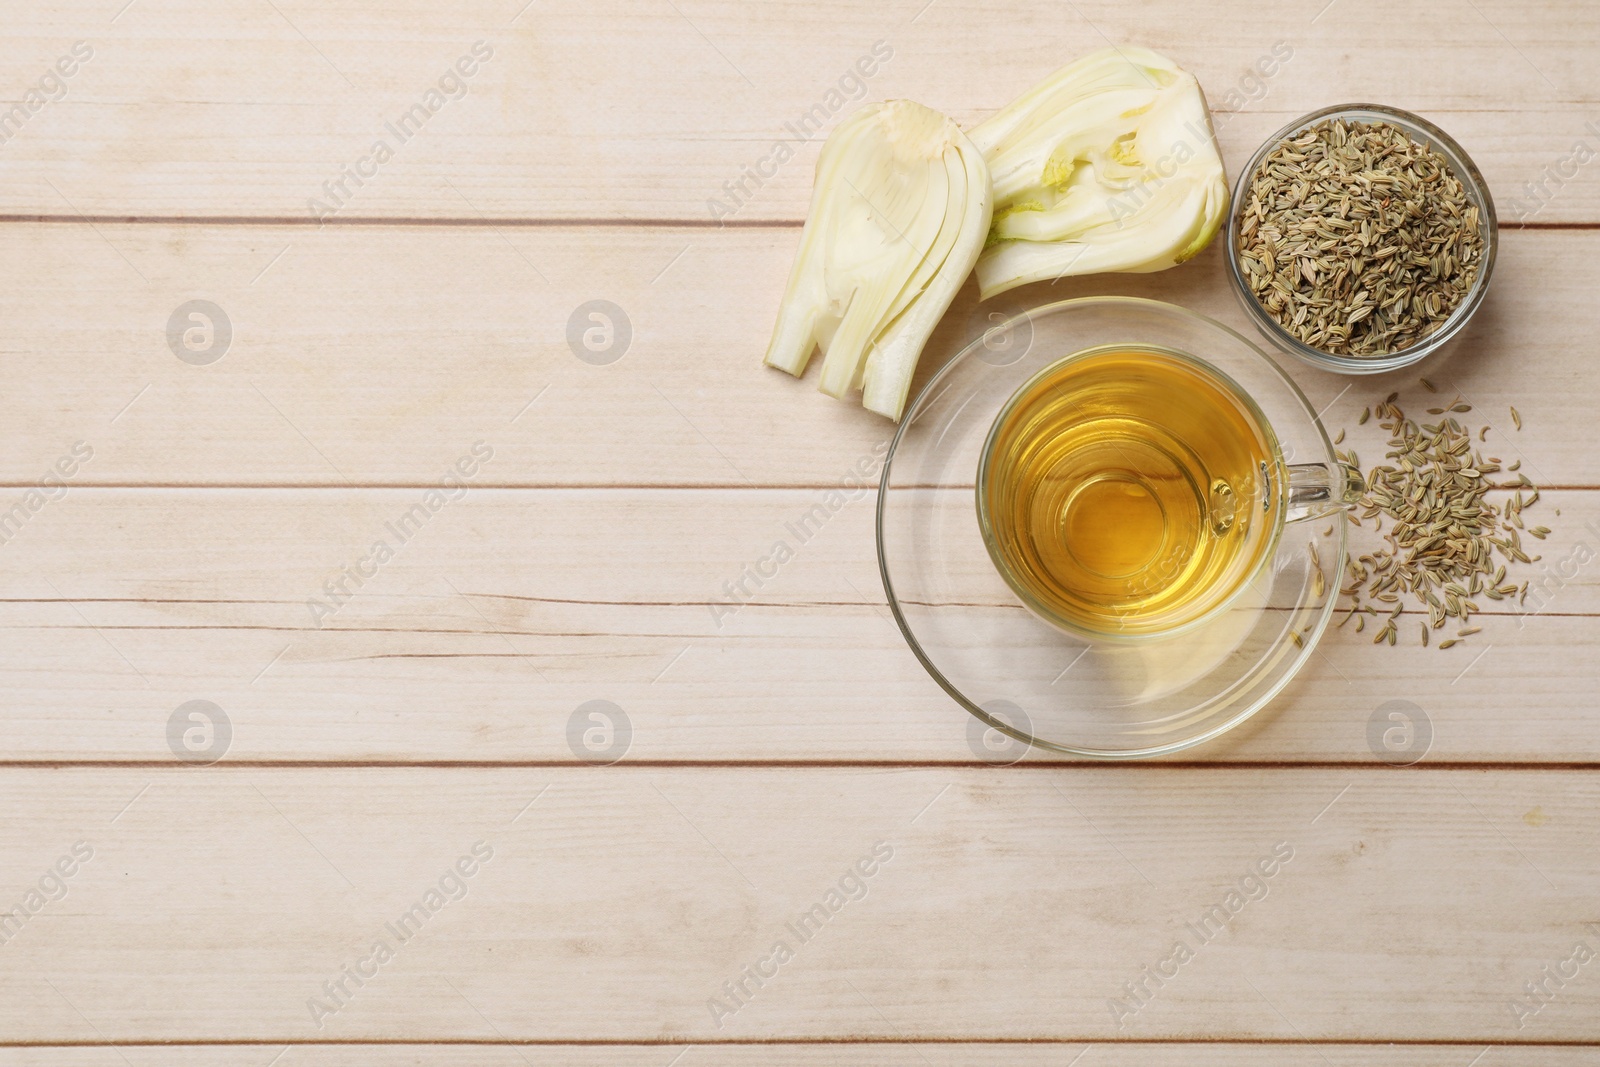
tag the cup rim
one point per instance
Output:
(1239, 394)
(1472, 181)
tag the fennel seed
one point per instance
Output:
(1448, 543)
(1358, 240)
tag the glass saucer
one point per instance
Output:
(1045, 686)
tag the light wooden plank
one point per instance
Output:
(618, 900)
(616, 903)
(485, 632)
(831, 1054)
(379, 356)
(639, 109)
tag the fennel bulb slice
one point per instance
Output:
(900, 210)
(1110, 164)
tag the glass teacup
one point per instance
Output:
(1131, 491)
(1113, 692)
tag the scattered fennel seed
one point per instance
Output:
(1448, 544)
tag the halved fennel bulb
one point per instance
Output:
(1110, 164)
(900, 210)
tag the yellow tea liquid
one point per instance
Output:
(1128, 491)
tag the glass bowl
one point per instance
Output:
(1072, 692)
(1424, 132)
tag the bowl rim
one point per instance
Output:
(1472, 181)
(1299, 656)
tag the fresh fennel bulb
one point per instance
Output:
(1110, 164)
(900, 210)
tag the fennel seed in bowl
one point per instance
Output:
(1358, 240)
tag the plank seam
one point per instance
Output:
(766, 1041)
(474, 222)
(1354, 763)
(534, 487)
(484, 222)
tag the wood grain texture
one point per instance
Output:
(831, 1054)
(1015, 905)
(379, 356)
(772, 746)
(644, 110)
(489, 627)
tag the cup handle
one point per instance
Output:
(1320, 489)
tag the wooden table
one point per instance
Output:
(404, 750)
